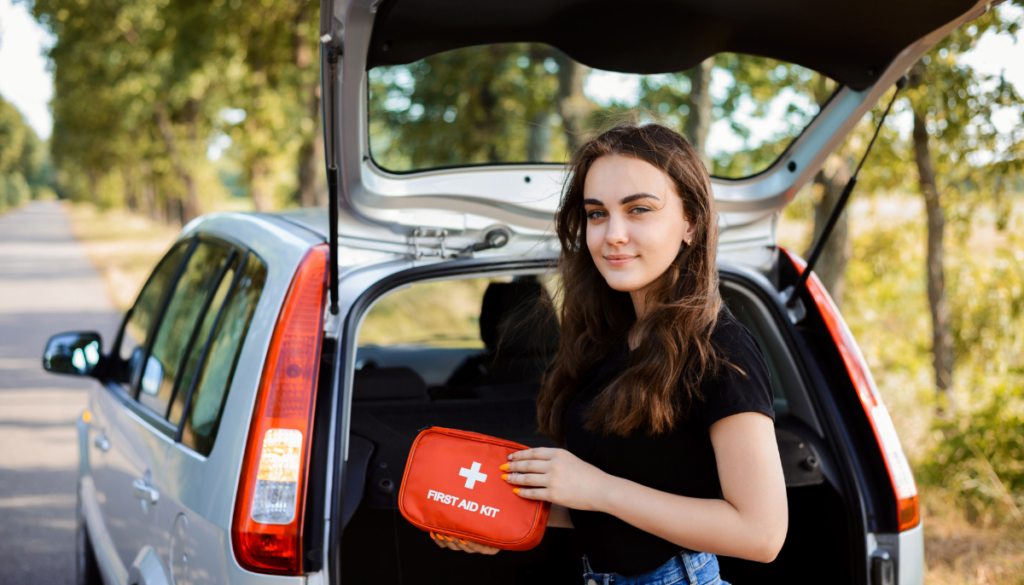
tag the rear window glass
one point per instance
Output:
(531, 103)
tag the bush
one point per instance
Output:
(979, 457)
(15, 190)
(43, 193)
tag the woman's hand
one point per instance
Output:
(469, 546)
(556, 476)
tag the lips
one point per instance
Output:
(620, 259)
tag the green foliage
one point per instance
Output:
(509, 103)
(493, 99)
(21, 158)
(141, 86)
(16, 190)
(980, 457)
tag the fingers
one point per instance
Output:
(537, 493)
(530, 466)
(467, 546)
(527, 479)
(544, 453)
(482, 548)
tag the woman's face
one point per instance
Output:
(635, 221)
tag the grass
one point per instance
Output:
(124, 247)
(959, 551)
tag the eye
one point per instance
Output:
(596, 214)
(640, 209)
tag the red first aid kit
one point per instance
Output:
(452, 486)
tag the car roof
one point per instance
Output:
(851, 42)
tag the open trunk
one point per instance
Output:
(400, 389)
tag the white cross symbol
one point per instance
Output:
(473, 475)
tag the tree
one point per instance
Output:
(958, 153)
(20, 157)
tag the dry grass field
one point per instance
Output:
(124, 247)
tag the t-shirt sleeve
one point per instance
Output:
(732, 392)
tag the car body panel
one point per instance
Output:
(137, 451)
(197, 489)
(200, 496)
(911, 548)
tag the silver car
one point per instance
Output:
(251, 420)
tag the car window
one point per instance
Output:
(177, 327)
(198, 349)
(456, 335)
(218, 368)
(144, 313)
(530, 103)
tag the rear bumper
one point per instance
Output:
(911, 568)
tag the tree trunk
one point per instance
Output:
(942, 339)
(310, 153)
(538, 139)
(149, 192)
(189, 204)
(131, 193)
(259, 184)
(831, 266)
(312, 148)
(698, 121)
(573, 104)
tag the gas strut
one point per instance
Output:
(790, 294)
(329, 101)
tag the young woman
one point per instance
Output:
(662, 400)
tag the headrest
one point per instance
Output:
(400, 383)
(513, 318)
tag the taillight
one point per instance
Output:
(267, 527)
(885, 433)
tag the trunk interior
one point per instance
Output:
(401, 388)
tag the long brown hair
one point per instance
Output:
(663, 375)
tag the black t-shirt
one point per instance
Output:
(679, 462)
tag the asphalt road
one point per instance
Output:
(47, 286)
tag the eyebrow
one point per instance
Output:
(624, 200)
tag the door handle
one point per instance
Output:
(145, 492)
(101, 442)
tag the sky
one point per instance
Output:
(25, 81)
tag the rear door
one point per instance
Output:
(129, 444)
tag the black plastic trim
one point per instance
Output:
(209, 339)
(316, 483)
(165, 299)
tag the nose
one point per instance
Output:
(616, 234)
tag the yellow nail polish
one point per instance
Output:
(504, 476)
(504, 467)
(432, 536)
(515, 490)
(450, 539)
(462, 541)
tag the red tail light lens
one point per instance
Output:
(267, 527)
(885, 433)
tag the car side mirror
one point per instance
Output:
(76, 353)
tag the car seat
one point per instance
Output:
(521, 334)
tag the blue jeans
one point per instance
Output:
(683, 569)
